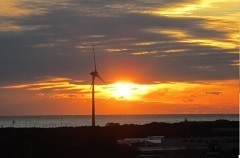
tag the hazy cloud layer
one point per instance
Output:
(134, 40)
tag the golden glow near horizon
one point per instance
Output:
(203, 93)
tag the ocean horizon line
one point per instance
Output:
(101, 120)
(113, 115)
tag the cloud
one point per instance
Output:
(49, 83)
(55, 38)
(214, 93)
(199, 8)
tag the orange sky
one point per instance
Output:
(157, 57)
(66, 96)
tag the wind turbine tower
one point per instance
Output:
(94, 75)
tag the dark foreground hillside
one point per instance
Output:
(88, 142)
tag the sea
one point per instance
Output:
(55, 121)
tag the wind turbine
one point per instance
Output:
(94, 75)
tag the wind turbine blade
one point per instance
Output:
(94, 59)
(90, 87)
(91, 84)
(101, 79)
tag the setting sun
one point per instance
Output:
(123, 90)
(126, 91)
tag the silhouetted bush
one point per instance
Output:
(95, 142)
(112, 124)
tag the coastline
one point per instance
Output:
(101, 141)
(55, 121)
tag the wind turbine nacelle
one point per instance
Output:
(94, 73)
